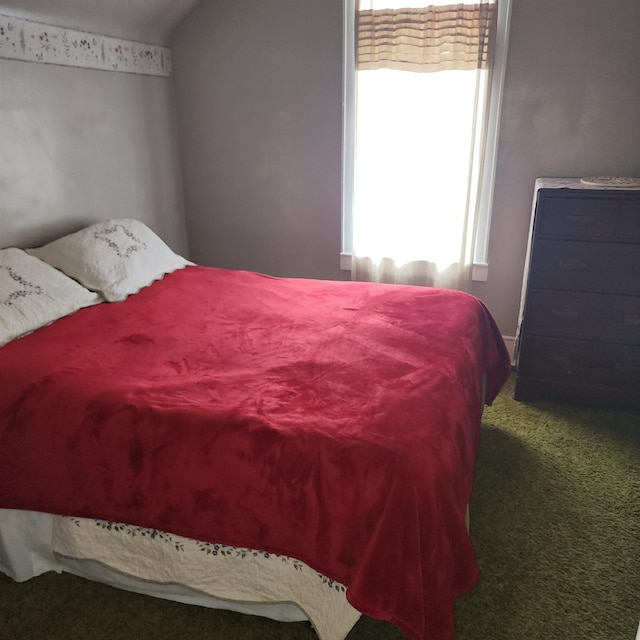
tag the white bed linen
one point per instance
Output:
(175, 568)
(116, 258)
(25, 544)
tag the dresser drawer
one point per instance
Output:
(586, 266)
(583, 316)
(580, 363)
(577, 217)
(629, 220)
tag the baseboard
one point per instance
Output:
(510, 341)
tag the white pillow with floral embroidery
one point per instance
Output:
(114, 257)
(34, 294)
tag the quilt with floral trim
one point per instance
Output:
(228, 573)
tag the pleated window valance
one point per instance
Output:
(434, 38)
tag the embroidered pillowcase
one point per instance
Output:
(116, 257)
(34, 294)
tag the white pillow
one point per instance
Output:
(114, 257)
(34, 294)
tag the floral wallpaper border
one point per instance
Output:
(22, 39)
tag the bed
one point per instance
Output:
(299, 434)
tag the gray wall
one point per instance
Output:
(571, 108)
(79, 145)
(259, 90)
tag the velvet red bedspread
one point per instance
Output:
(334, 422)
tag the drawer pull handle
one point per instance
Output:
(563, 361)
(572, 265)
(632, 321)
(578, 217)
(567, 315)
(628, 368)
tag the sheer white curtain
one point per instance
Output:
(422, 77)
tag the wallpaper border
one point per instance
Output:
(30, 41)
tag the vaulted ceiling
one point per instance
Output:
(150, 21)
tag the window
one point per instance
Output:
(419, 148)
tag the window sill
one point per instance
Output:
(480, 271)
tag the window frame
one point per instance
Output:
(498, 72)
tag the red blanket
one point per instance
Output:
(334, 422)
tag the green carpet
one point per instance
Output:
(555, 518)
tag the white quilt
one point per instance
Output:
(228, 573)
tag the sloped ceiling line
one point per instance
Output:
(22, 39)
